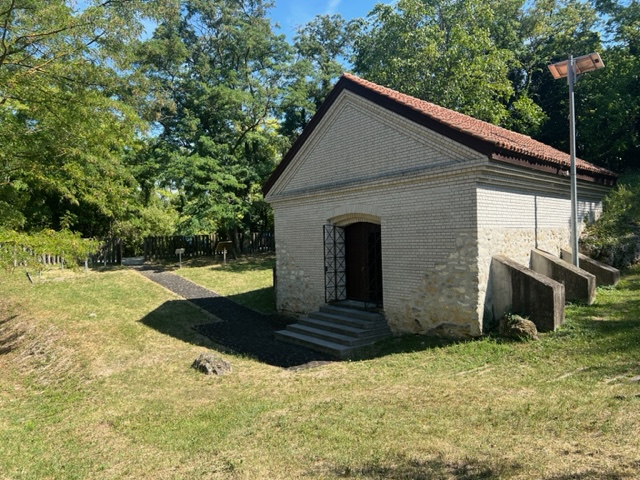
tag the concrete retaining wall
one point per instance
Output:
(605, 274)
(579, 285)
(518, 289)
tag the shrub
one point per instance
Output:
(615, 237)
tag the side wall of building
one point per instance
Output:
(517, 215)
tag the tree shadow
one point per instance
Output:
(588, 475)
(239, 330)
(262, 300)
(242, 264)
(9, 335)
(403, 468)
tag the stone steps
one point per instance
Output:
(337, 331)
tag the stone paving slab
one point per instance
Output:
(242, 330)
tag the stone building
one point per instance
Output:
(401, 204)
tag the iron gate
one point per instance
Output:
(335, 277)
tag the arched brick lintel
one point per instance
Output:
(346, 215)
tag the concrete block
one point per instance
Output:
(579, 285)
(605, 274)
(518, 289)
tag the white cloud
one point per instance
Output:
(332, 6)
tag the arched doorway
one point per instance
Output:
(363, 259)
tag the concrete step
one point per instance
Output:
(382, 328)
(346, 320)
(335, 337)
(352, 312)
(331, 348)
(337, 330)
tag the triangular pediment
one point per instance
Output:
(357, 142)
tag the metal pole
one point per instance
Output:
(574, 187)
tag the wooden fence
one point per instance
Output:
(258, 242)
(109, 253)
(156, 248)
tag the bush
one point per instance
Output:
(615, 237)
(23, 249)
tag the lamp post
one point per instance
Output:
(571, 68)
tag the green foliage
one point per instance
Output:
(65, 115)
(615, 236)
(219, 65)
(103, 132)
(609, 116)
(440, 51)
(25, 250)
(321, 48)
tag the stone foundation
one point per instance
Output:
(446, 302)
(295, 293)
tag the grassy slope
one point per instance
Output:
(95, 382)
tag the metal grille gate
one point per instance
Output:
(335, 277)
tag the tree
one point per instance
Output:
(609, 114)
(551, 30)
(322, 48)
(438, 50)
(219, 67)
(65, 113)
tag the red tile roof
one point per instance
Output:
(496, 142)
(504, 139)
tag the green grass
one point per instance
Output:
(95, 382)
(247, 280)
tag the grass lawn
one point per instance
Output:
(95, 382)
(247, 280)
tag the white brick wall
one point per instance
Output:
(512, 222)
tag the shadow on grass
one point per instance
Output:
(406, 344)
(607, 327)
(405, 468)
(175, 318)
(262, 300)
(9, 335)
(243, 263)
(588, 475)
(249, 263)
(241, 331)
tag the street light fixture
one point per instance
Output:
(571, 69)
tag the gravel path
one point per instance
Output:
(243, 330)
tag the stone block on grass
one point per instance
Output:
(605, 274)
(520, 290)
(579, 285)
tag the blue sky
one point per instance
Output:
(290, 14)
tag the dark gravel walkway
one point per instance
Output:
(243, 330)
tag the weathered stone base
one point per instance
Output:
(446, 303)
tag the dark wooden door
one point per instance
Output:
(363, 262)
